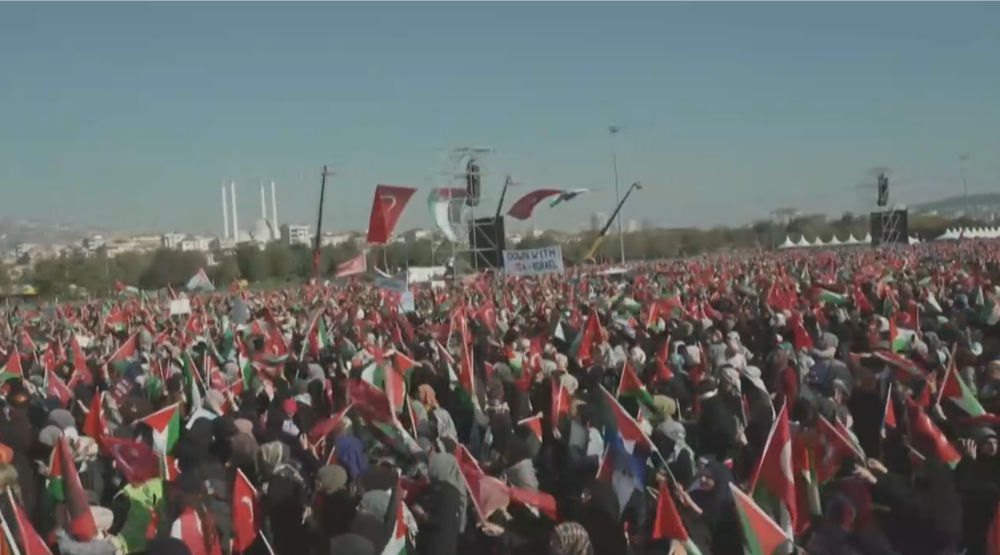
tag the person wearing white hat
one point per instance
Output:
(101, 545)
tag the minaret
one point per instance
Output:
(274, 209)
(263, 202)
(232, 200)
(225, 213)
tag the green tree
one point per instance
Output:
(5, 280)
(225, 271)
(281, 262)
(252, 263)
(171, 267)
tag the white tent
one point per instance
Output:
(787, 244)
(834, 241)
(803, 243)
(851, 240)
(914, 241)
(867, 239)
(949, 235)
(818, 242)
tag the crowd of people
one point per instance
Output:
(828, 403)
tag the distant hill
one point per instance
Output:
(978, 202)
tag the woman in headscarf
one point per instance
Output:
(376, 503)
(350, 451)
(520, 469)
(601, 516)
(441, 425)
(441, 510)
(713, 496)
(285, 497)
(334, 507)
(570, 538)
(195, 524)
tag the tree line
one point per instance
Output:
(278, 264)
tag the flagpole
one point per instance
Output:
(6, 529)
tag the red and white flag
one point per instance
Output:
(353, 267)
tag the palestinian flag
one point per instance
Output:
(761, 536)
(631, 387)
(166, 424)
(397, 542)
(831, 298)
(12, 368)
(64, 485)
(32, 542)
(773, 482)
(318, 338)
(668, 524)
(388, 380)
(954, 388)
(122, 357)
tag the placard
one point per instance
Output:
(406, 302)
(533, 262)
(398, 285)
(180, 306)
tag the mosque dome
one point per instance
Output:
(263, 230)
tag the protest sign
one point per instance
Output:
(533, 262)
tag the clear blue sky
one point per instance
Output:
(131, 114)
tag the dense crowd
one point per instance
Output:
(833, 403)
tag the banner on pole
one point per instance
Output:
(533, 262)
(397, 284)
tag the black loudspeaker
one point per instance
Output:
(487, 239)
(895, 224)
(883, 191)
(472, 185)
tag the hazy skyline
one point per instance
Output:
(131, 115)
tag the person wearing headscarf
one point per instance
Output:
(334, 507)
(670, 437)
(350, 452)
(101, 545)
(195, 525)
(925, 517)
(376, 503)
(719, 433)
(713, 496)
(570, 538)
(601, 514)
(285, 497)
(441, 510)
(441, 425)
(520, 469)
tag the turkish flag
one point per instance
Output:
(137, 461)
(525, 205)
(387, 207)
(246, 513)
(354, 266)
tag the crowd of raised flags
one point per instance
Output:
(830, 403)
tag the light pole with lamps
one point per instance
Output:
(614, 129)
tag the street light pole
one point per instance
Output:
(613, 129)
